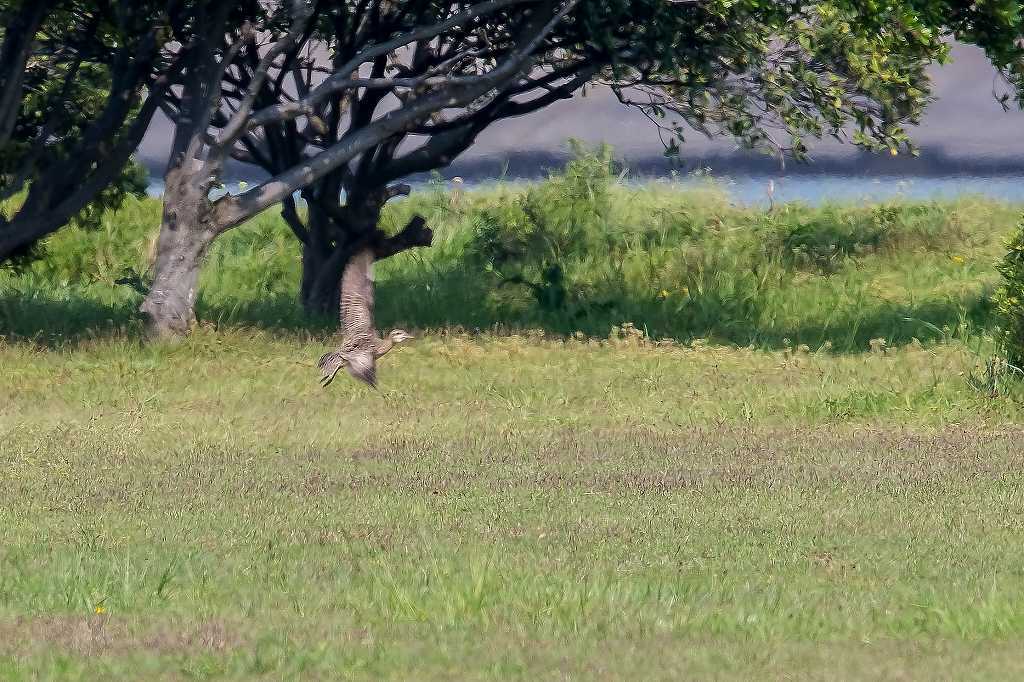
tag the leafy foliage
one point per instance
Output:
(74, 104)
(62, 99)
(1010, 298)
(132, 182)
(790, 71)
(996, 26)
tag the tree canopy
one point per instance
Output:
(348, 98)
(79, 84)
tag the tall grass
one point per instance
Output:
(677, 263)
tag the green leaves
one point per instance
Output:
(534, 242)
(775, 74)
(1009, 299)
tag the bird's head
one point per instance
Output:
(400, 335)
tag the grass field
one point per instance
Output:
(506, 508)
(516, 503)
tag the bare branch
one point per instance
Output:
(291, 217)
(230, 211)
(342, 80)
(302, 12)
(414, 234)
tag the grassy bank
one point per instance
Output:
(679, 264)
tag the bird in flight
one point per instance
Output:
(361, 344)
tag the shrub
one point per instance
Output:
(531, 242)
(115, 246)
(1009, 299)
(122, 197)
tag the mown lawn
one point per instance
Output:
(506, 507)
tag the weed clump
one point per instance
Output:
(822, 240)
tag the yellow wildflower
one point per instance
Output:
(100, 609)
(663, 294)
(959, 260)
(893, 151)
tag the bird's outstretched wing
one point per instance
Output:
(329, 365)
(357, 299)
(363, 366)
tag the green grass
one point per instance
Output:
(518, 501)
(680, 264)
(505, 507)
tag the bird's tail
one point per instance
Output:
(329, 364)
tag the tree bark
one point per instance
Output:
(316, 252)
(15, 51)
(186, 232)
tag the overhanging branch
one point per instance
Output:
(302, 12)
(230, 211)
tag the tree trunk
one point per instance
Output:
(315, 255)
(186, 232)
(317, 301)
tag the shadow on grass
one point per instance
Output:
(51, 321)
(456, 301)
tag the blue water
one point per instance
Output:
(818, 189)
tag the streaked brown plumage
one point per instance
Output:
(361, 345)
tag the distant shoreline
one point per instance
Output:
(533, 165)
(751, 189)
